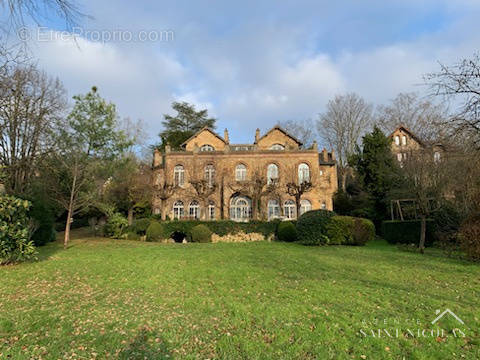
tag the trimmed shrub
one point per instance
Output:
(470, 237)
(200, 234)
(155, 231)
(407, 232)
(286, 231)
(132, 236)
(311, 227)
(14, 243)
(348, 230)
(116, 225)
(140, 226)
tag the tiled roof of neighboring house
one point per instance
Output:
(198, 132)
(277, 127)
(409, 132)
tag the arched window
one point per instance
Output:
(436, 156)
(305, 206)
(210, 174)
(194, 210)
(273, 209)
(240, 208)
(303, 173)
(277, 147)
(179, 175)
(178, 210)
(207, 148)
(211, 210)
(324, 206)
(290, 209)
(404, 140)
(272, 173)
(241, 172)
(397, 140)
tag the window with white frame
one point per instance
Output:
(303, 173)
(277, 147)
(436, 156)
(240, 208)
(397, 140)
(240, 172)
(290, 209)
(194, 210)
(272, 173)
(207, 148)
(305, 205)
(211, 210)
(399, 157)
(179, 175)
(273, 209)
(324, 206)
(210, 174)
(404, 140)
(178, 210)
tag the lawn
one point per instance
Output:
(131, 300)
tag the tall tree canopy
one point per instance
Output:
(301, 129)
(184, 124)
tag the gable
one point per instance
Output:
(205, 136)
(401, 135)
(278, 136)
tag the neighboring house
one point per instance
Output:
(275, 158)
(405, 141)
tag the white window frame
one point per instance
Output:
(207, 147)
(211, 210)
(240, 208)
(273, 209)
(210, 174)
(240, 172)
(303, 173)
(404, 140)
(179, 175)
(272, 173)
(437, 156)
(277, 147)
(290, 209)
(194, 210)
(397, 140)
(178, 210)
(305, 205)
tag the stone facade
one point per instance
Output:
(404, 142)
(275, 157)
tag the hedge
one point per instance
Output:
(407, 232)
(200, 234)
(348, 230)
(286, 231)
(155, 231)
(311, 227)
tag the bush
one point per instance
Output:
(286, 231)
(140, 226)
(14, 243)
(155, 231)
(132, 236)
(41, 213)
(200, 234)
(470, 237)
(116, 225)
(407, 232)
(311, 227)
(347, 230)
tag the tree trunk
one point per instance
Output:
(423, 230)
(66, 238)
(130, 216)
(162, 210)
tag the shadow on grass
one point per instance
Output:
(141, 348)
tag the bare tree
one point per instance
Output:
(163, 192)
(347, 118)
(301, 129)
(424, 118)
(296, 188)
(31, 106)
(460, 85)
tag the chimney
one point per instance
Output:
(333, 155)
(324, 154)
(168, 148)
(225, 136)
(257, 135)
(315, 145)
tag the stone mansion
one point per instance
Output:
(212, 179)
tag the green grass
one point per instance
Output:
(131, 300)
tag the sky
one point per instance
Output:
(253, 63)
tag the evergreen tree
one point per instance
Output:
(187, 122)
(377, 171)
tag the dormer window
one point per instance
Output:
(404, 140)
(207, 148)
(397, 140)
(277, 147)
